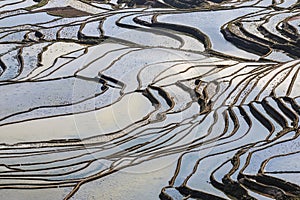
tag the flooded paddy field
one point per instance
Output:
(149, 99)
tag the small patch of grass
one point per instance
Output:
(40, 4)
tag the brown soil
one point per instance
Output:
(66, 12)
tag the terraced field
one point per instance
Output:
(149, 99)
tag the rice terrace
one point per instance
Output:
(149, 99)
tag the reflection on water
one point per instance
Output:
(149, 99)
